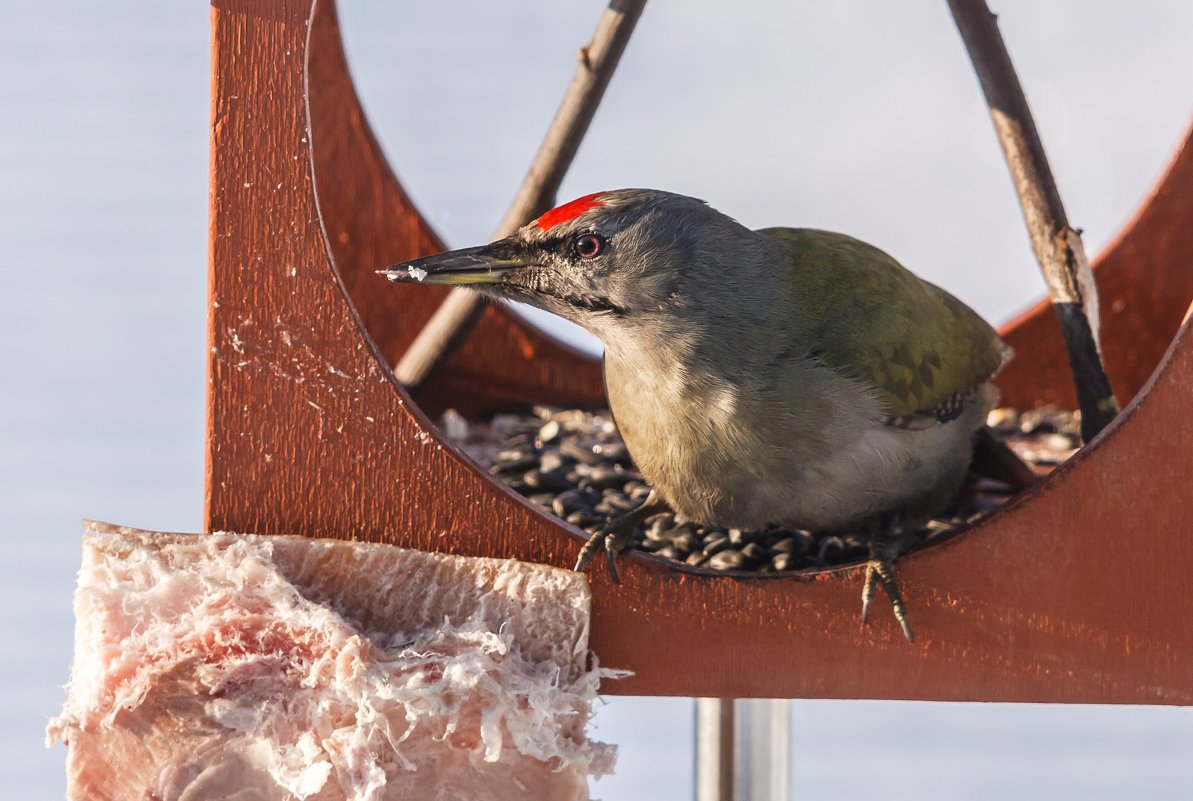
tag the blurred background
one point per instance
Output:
(862, 117)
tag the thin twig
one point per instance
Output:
(1056, 244)
(460, 310)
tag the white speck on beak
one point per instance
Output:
(417, 273)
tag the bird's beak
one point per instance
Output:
(480, 265)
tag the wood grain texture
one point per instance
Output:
(1073, 593)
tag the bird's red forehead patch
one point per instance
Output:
(568, 211)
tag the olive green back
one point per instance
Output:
(867, 315)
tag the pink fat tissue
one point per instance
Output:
(245, 667)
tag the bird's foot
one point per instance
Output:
(618, 535)
(880, 569)
(612, 539)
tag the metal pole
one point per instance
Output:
(715, 735)
(743, 749)
(763, 750)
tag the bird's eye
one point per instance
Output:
(588, 246)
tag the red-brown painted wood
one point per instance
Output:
(1073, 592)
(371, 223)
(1145, 282)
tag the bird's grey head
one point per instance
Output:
(600, 260)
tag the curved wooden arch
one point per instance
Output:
(371, 222)
(1069, 593)
(1145, 281)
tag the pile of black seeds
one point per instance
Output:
(573, 464)
(1044, 437)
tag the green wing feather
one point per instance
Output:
(871, 317)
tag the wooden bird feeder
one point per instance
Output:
(1076, 591)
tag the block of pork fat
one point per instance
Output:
(251, 668)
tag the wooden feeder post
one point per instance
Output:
(1074, 592)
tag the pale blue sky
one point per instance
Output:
(858, 116)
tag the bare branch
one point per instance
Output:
(455, 317)
(1056, 244)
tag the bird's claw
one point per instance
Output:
(868, 592)
(618, 535)
(589, 550)
(612, 541)
(611, 560)
(880, 569)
